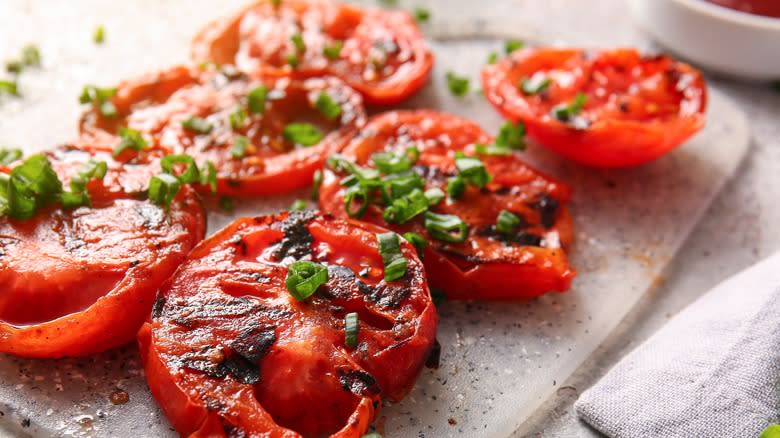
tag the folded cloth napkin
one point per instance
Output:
(712, 371)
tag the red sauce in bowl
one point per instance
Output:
(768, 8)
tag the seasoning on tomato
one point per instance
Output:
(289, 324)
(264, 135)
(607, 108)
(82, 253)
(488, 225)
(381, 53)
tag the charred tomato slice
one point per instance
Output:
(525, 262)
(378, 52)
(76, 282)
(609, 108)
(265, 135)
(230, 350)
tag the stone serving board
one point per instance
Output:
(500, 361)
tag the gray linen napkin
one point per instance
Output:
(712, 371)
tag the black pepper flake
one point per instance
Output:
(26, 422)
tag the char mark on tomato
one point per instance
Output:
(297, 239)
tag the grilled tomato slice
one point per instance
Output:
(492, 227)
(235, 347)
(79, 281)
(380, 53)
(264, 135)
(608, 108)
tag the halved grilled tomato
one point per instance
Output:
(380, 53)
(76, 282)
(265, 135)
(230, 351)
(526, 262)
(607, 108)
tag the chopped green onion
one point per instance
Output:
(458, 85)
(31, 56)
(446, 227)
(400, 184)
(304, 278)
(407, 207)
(71, 201)
(421, 14)
(130, 139)
(8, 156)
(298, 205)
(512, 45)
(351, 326)
(492, 58)
(506, 222)
(356, 201)
(395, 162)
(535, 84)
(491, 149)
(292, 60)
(208, 176)
(564, 112)
(101, 97)
(9, 87)
(473, 171)
(99, 35)
(238, 150)
(434, 195)
(32, 185)
(390, 250)
(304, 134)
(417, 240)
(226, 203)
(197, 124)
(511, 136)
(456, 185)
(237, 118)
(256, 99)
(92, 169)
(14, 66)
(327, 106)
(316, 184)
(163, 189)
(333, 51)
(340, 164)
(297, 40)
(191, 172)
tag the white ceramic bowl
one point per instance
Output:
(714, 37)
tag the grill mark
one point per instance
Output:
(253, 343)
(297, 239)
(358, 382)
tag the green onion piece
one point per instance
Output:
(163, 189)
(456, 185)
(417, 240)
(92, 169)
(297, 40)
(226, 203)
(535, 84)
(292, 60)
(191, 172)
(473, 170)
(8, 156)
(4, 179)
(208, 176)
(298, 205)
(333, 51)
(492, 58)
(71, 201)
(511, 136)
(340, 164)
(108, 109)
(130, 139)
(351, 326)
(512, 45)
(316, 184)
(395, 162)
(327, 106)
(434, 195)
(458, 85)
(304, 134)
(237, 118)
(421, 14)
(390, 250)
(400, 184)
(304, 278)
(32, 185)
(100, 97)
(238, 151)
(14, 66)
(356, 201)
(491, 149)
(197, 124)
(407, 207)
(506, 222)
(564, 112)
(31, 56)
(99, 35)
(256, 99)
(9, 87)
(446, 227)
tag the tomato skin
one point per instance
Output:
(258, 38)
(482, 267)
(307, 382)
(638, 108)
(92, 272)
(157, 104)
